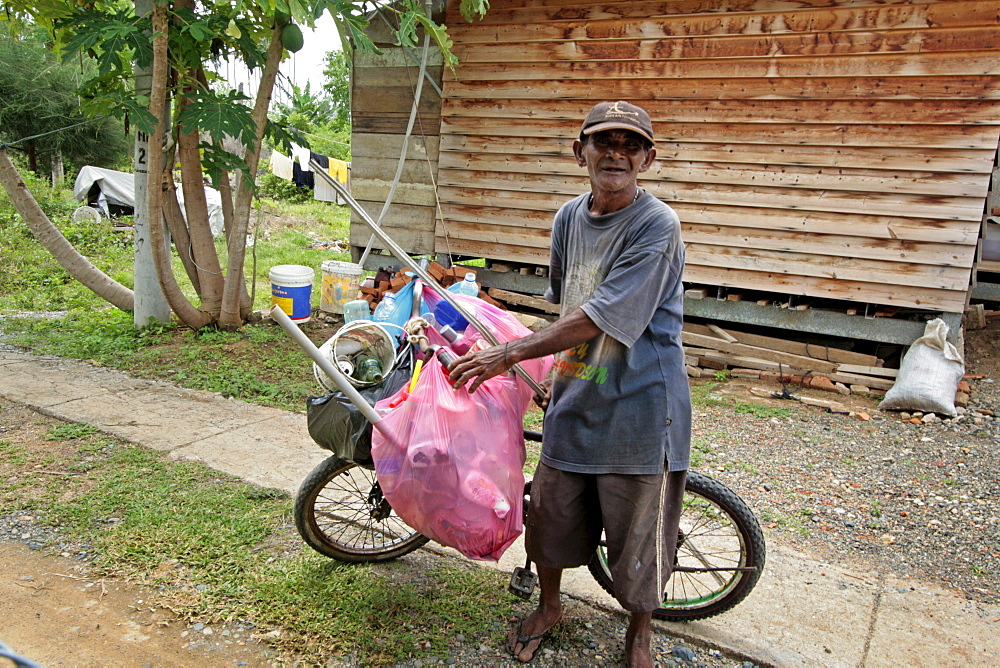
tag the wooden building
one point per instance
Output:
(829, 150)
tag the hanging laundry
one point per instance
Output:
(300, 155)
(320, 159)
(281, 165)
(340, 170)
(300, 177)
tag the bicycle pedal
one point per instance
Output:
(522, 583)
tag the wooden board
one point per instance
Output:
(523, 300)
(797, 361)
(824, 148)
(827, 353)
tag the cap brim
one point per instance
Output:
(615, 125)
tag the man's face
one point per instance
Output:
(614, 159)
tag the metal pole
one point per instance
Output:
(403, 257)
(328, 367)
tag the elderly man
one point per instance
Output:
(617, 425)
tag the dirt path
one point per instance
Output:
(51, 613)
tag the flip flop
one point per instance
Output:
(524, 640)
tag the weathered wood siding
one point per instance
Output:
(382, 90)
(831, 148)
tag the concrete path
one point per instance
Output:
(803, 612)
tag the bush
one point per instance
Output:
(273, 187)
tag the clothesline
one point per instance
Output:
(296, 169)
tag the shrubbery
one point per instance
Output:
(273, 187)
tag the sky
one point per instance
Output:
(304, 66)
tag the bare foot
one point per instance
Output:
(525, 640)
(637, 639)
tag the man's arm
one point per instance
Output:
(482, 365)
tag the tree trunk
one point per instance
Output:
(226, 195)
(32, 152)
(179, 232)
(205, 257)
(158, 174)
(77, 265)
(57, 169)
(234, 305)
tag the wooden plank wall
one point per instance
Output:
(831, 148)
(382, 90)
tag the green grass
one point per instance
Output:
(703, 394)
(14, 454)
(66, 432)
(700, 449)
(759, 410)
(218, 548)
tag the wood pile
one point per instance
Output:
(709, 349)
(374, 289)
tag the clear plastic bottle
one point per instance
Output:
(466, 286)
(385, 309)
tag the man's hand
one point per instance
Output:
(478, 366)
(542, 401)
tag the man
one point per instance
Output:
(617, 427)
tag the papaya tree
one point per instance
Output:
(206, 128)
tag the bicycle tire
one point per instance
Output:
(718, 530)
(340, 512)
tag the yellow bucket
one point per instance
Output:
(341, 283)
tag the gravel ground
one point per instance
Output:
(916, 500)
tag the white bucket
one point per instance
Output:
(352, 343)
(291, 290)
(341, 282)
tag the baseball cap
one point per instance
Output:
(618, 115)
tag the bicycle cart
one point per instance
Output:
(340, 512)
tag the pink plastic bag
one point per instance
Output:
(452, 467)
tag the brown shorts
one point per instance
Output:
(639, 515)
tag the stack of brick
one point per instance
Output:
(386, 280)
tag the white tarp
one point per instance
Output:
(118, 188)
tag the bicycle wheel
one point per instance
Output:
(340, 512)
(720, 554)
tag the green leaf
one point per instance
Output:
(215, 161)
(473, 9)
(440, 36)
(219, 114)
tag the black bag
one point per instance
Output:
(338, 426)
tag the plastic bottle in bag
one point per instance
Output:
(466, 286)
(386, 308)
(482, 491)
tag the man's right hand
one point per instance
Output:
(542, 401)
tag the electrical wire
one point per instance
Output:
(8, 144)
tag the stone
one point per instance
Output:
(822, 383)
(684, 653)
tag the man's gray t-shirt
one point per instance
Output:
(620, 401)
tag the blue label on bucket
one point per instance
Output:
(294, 301)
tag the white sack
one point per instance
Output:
(929, 374)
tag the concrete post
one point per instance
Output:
(150, 303)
